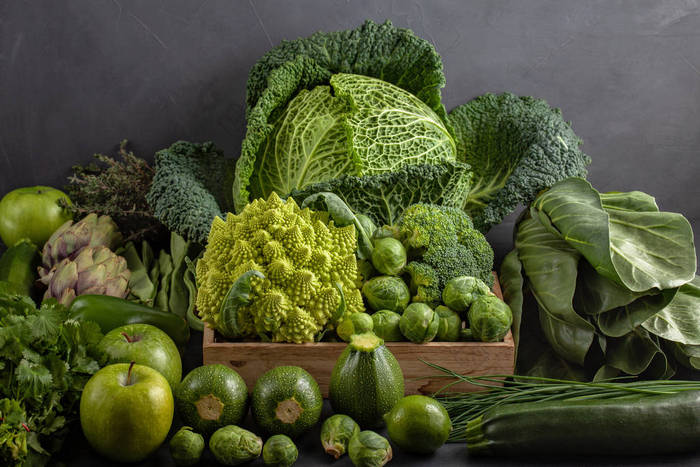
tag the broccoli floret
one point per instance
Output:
(191, 186)
(423, 283)
(303, 258)
(516, 146)
(443, 244)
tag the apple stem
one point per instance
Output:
(127, 337)
(128, 375)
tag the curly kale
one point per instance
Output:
(191, 187)
(383, 197)
(442, 243)
(516, 146)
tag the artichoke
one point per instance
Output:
(94, 271)
(67, 242)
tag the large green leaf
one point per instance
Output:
(680, 320)
(637, 352)
(624, 319)
(640, 250)
(550, 265)
(512, 283)
(597, 294)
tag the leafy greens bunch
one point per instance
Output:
(45, 361)
(602, 284)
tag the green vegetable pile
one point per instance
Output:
(602, 284)
(45, 360)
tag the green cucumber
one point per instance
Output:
(286, 400)
(636, 425)
(18, 266)
(112, 312)
(366, 381)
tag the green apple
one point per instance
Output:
(146, 345)
(126, 411)
(33, 213)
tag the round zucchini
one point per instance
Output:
(366, 381)
(286, 400)
(210, 397)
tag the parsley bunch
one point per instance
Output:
(45, 361)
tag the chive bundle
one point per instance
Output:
(510, 389)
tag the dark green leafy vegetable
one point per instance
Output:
(191, 186)
(599, 274)
(45, 359)
(516, 147)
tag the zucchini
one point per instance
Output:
(112, 312)
(635, 425)
(366, 381)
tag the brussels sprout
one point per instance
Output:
(386, 293)
(232, 445)
(336, 433)
(460, 292)
(367, 224)
(450, 324)
(419, 323)
(368, 449)
(490, 318)
(186, 447)
(386, 325)
(279, 450)
(388, 256)
(354, 323)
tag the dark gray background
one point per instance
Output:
(76, 77)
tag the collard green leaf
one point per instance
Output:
(597, 294)
(640, 250)
(637, 352)
(551, 267)
(622, 320)
(512, 283)
(680, 320)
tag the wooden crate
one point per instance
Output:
(252, 359)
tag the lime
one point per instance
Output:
(418, 424)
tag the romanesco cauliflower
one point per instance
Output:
(302, 256)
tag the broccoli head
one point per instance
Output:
(191, 186)
(303, 258)
(442, 243)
